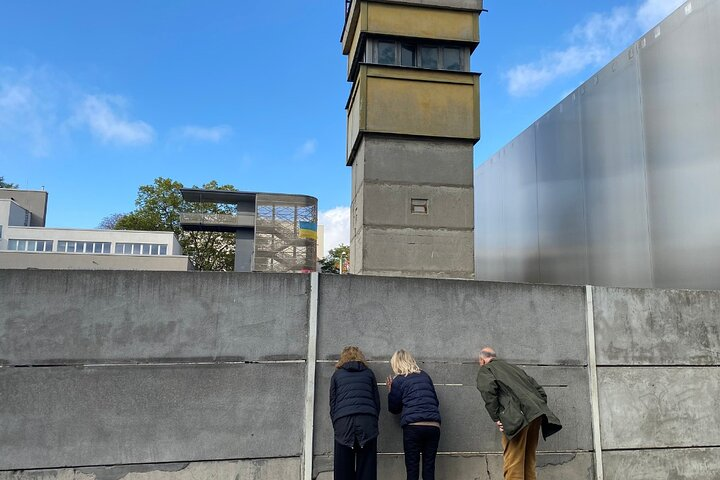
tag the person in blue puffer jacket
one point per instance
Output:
(411, 393)
(354, 410)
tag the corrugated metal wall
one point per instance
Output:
(618, 184)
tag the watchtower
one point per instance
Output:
(413, 117)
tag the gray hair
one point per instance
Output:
(488, 352)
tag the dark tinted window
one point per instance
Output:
(429, 57)
(407, 55)
(386, 53)
(451, 58)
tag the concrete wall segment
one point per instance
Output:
(659, 407)
(676, 464)
(56, 317)
(413, 160)
(257, 469)
(452, 320)
(657, 327)
(390, 205)
(60, 416)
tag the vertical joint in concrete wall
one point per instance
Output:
(310, 379)
(592, 370)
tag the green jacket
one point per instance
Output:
(514, 398)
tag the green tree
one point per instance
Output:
(331, 262)
(4, 184)
(109, 222)
(159, 207)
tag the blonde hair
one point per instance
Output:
(351, 354)
(403, 363)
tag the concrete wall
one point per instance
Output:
(132, 375)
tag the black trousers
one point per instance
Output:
(420, 439)
(356, 463)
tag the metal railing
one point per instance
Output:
(217, 219)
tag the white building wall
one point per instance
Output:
(173, 260)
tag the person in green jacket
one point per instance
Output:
(518, 406)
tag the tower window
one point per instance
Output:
(407, 55)
(452, 58)
(429, 57)
(386, 53)
(419, 206)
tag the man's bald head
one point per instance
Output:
(487, 355)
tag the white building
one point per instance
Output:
(26, 243)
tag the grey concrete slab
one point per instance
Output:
(550, 466)
(452, 319)
(466, 426)
(644, 407)
(675, 464)
(59, 416)
(656, 327)
(258, 469)
(398, 160)
(53, 317)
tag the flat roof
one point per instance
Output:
(227, 196)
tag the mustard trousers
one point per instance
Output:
(519, 453)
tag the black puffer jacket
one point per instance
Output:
(414, 396)
(353, 391)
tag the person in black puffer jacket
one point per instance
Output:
(412, 394)
(354, 410)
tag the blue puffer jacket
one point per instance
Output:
(414, 395)
(353, 391)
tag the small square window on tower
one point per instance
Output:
(419, 206)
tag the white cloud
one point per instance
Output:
(591, 44)
(205, 134)
(27, 111)
(105, 116)
(336, 223)
(306, 149)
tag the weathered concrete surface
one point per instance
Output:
(466, 426)
(656, 327)
(52, 317)
(452, 320)
(261, 469)
(673, 464)
(58, 416)
(551, 466)
(659, 407)
(405, 161)
(389, 205)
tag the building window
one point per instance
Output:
(386, 53)
(71, 246)
(140, 249)
(429, 57)
(408, 54)
(23, 245)
(452, 58)
(419, 206)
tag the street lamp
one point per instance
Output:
(342, 256)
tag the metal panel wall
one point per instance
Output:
(628, 172)
(680, 72)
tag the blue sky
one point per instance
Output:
(99, 97)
